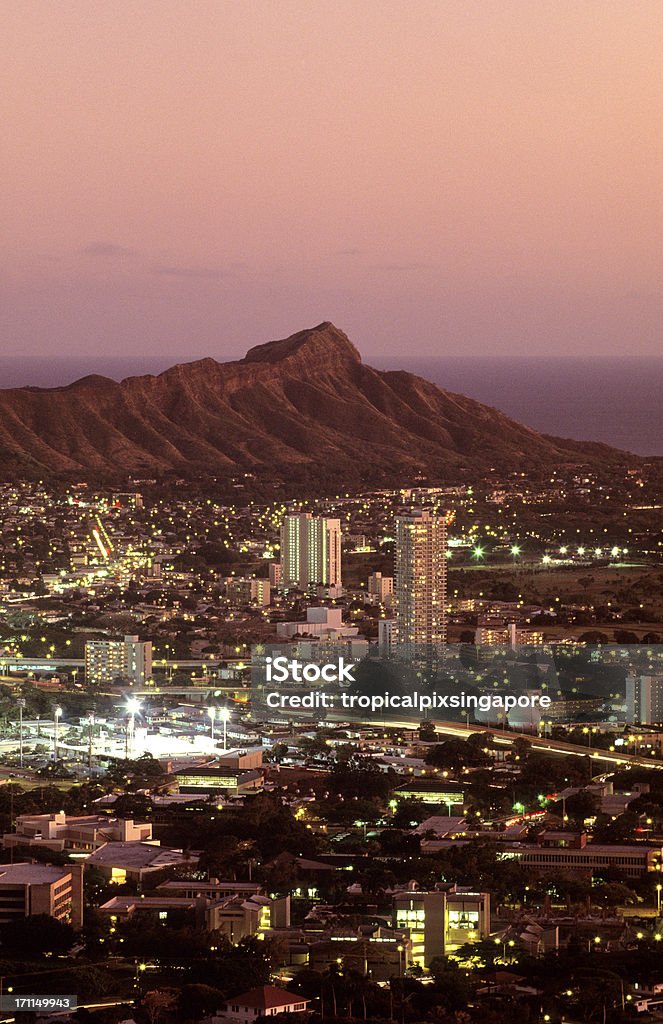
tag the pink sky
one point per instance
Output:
(190, 178)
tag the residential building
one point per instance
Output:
(126, 659)
(420, 578)
(310, 551)
(248, 591)
(265, 1001)
(644, 699)
(380, 587)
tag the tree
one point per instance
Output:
(157, 1003)
(196, 1001)
(581, 805)
(38, 934)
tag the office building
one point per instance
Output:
(30, 889)
(128, 659)
(74, 834)
(420, 583)
(310, 552)
(440, 922)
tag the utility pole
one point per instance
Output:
(21, 705)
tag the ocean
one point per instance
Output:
(618, 401)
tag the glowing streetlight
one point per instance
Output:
(515, 550)
(477, 552)
(133, 708)
(57, 715)
(224, 715)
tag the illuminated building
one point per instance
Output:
(242, 591)
(386, 635)
(420, 579)
(442, 921)
(212, 779)
(108, 660)
(631, 860)
(140, 861)
(236, 916)
(431, 791)
(310, 552)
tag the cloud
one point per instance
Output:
(107, 249)
(199, 272)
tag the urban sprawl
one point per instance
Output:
(450, 810)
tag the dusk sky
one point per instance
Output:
(192, 178)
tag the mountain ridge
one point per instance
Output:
(306, 402)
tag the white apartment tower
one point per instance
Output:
(644, 699)
(420, 578)
(107, 660)
(310, 552)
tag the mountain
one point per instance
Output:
(303, 407)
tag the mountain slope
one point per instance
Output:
(301, 404)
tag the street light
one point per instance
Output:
(224, 715)
(133, 707)
(57, 715)
(212, 715)
(658, 899)
(90, 725)
(21, 705)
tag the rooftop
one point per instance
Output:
(266, 997)
(30, 874)
(138, 855)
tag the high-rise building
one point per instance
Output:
(107, 660)
(644, 699)
(310, 551)
(420, 578)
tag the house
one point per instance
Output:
(265, 1001)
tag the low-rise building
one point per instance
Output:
(74, 834)
(28, 889)
(139, 862)
(265, 1001)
